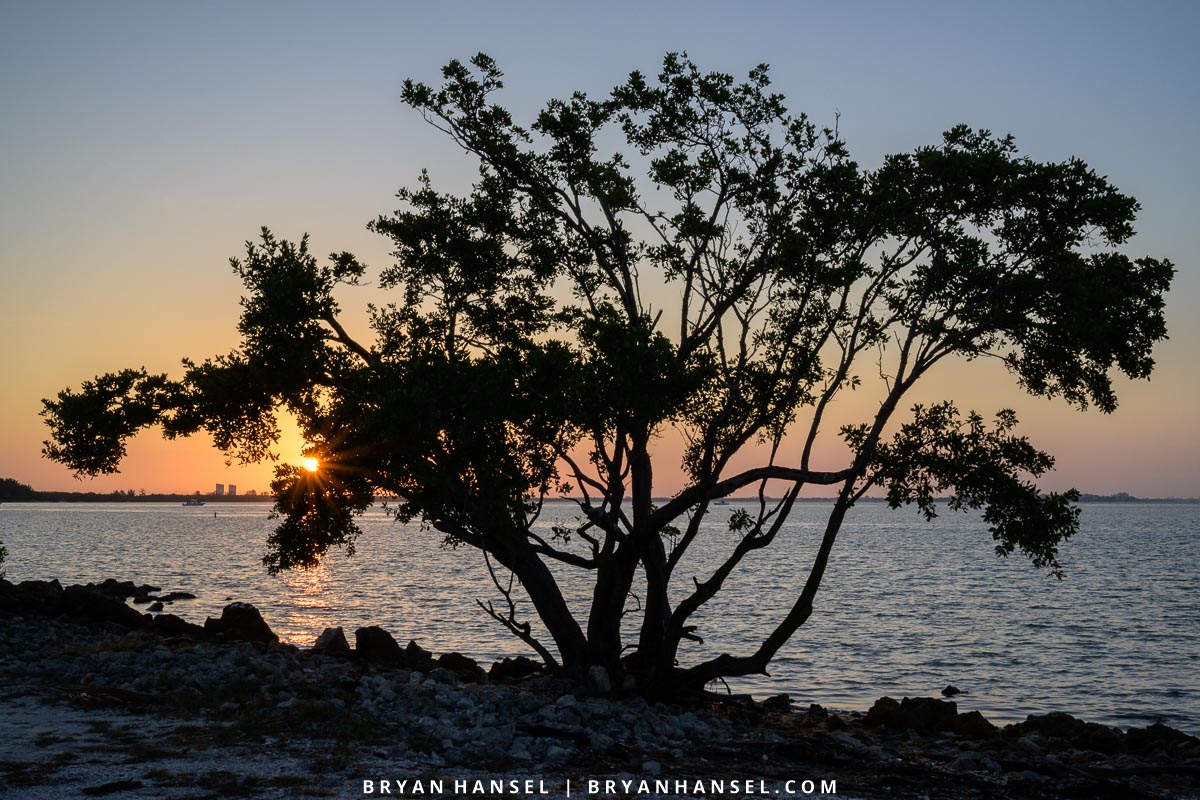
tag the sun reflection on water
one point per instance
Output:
(311, 602)
(897, 616)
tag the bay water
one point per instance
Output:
(907, 606)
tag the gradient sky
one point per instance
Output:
(142, 143)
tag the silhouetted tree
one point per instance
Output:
(542, 330)
(13, 491)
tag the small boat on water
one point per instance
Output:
(193, 502)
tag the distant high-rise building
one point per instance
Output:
(233, 490)
(220, 490)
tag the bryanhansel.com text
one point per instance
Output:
(595, 786)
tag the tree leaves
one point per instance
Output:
(318, 510)
(941, 452)
(90, 427)
(684, 253)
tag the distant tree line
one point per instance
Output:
(13, 491)
(1123, 497)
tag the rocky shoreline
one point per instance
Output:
(103, 699)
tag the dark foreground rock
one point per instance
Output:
(332, 642)
(1062, 731)
(465, 668)
(89, 604)
(104, 602)
(322, 721)
(928, 715)
(376, 645)
(34, 596)
(513, 669)
(418, 658)
(240, 622)
(49, 597)
(167, 625)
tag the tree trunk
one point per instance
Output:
(728, 666)
(614, 577)
(549, 603)
(652, 643)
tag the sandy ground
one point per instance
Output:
(63, 744)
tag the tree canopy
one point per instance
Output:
(682, 255)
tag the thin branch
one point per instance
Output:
(350, 344)
(522, 630)
(696, 493)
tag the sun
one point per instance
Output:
(311, 464)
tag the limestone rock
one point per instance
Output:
(418, 658)
(923, 714)
(375, 644)
(778, 702)
(1065, 731)
(514, 669)
(85, 603)
(40, 597)
(171, 625)
(241, 621)
(973, 724)
(332, 642)
(465, 667)
(1160, 739)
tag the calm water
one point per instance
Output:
(907, 606)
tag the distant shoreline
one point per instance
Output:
(13, 491)
(98, 497)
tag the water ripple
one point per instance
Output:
(907, 605)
